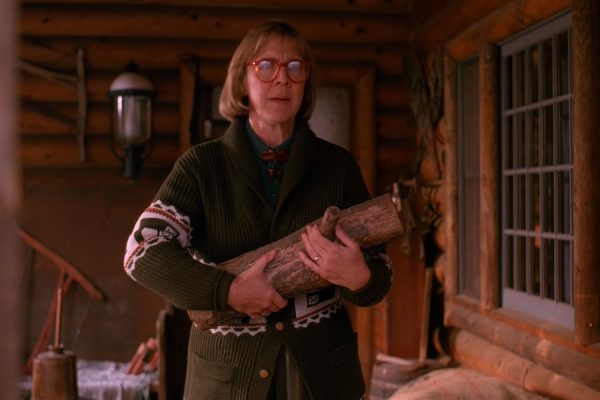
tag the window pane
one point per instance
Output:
(508, 143)
(534, 145)
(520, 263)
(563, 153)
(509, 281)
(564, 271)
(534, 76)
(508, 87)
(548, 202)
(564, 201)
(520, 139)
(508, 202)
(519, 79)
(520, 202)
(547, 77)
(548, 142)
(534, 266)
(534, 204)
(562, 63)
(548, 250)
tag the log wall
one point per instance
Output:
(518, 348)
(162, 37)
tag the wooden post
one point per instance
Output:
(451, 179)
(488, 156)
(10, 332)
(363, 139)
(586, 169)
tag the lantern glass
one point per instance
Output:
(132, 119)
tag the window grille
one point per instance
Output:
(536, 165)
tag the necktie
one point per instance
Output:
(273, 159)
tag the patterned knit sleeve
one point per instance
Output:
(158, 253)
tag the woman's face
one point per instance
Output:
(276, 102)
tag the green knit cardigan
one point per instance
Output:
(211, 208)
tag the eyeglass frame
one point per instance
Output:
(279, 65)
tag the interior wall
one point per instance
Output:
(86, 218)
(74, 207)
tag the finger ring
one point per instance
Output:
(316, 258)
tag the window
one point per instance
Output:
(469, 176)
(536, 166)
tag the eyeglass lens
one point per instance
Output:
(267, 70)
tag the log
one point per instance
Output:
(514, 17)
(187, 23)
(54, 119)
(387, 6)
(452, 20)
(396, 155)
(152, 54)
(482, 355)
(392, 93)
(33, 88)
(369, 223)
(489, 122)
(451, 178)
(63, 152)
(566, 358)
(586, 122)
(397, 124)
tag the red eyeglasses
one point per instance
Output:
(267, 70)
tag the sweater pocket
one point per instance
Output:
(344, 371)
(206, 380)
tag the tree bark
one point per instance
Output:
(370, 223)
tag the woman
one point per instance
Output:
(266, 177)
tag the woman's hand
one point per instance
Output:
(341, 262)
(252, 294)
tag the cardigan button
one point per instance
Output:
(279, 326)
(263, 373)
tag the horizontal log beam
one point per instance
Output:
(396, 125)
(479, 354)
(190, 23)
(395, 155)
(503, 23)
(63, 152)
(166, 53)
(165, 119)
(392, 93)
(379, 6)
(36, 89)
(453, 19)
(566, 361)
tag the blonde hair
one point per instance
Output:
(233, 101)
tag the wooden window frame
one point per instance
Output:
(580, 345)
